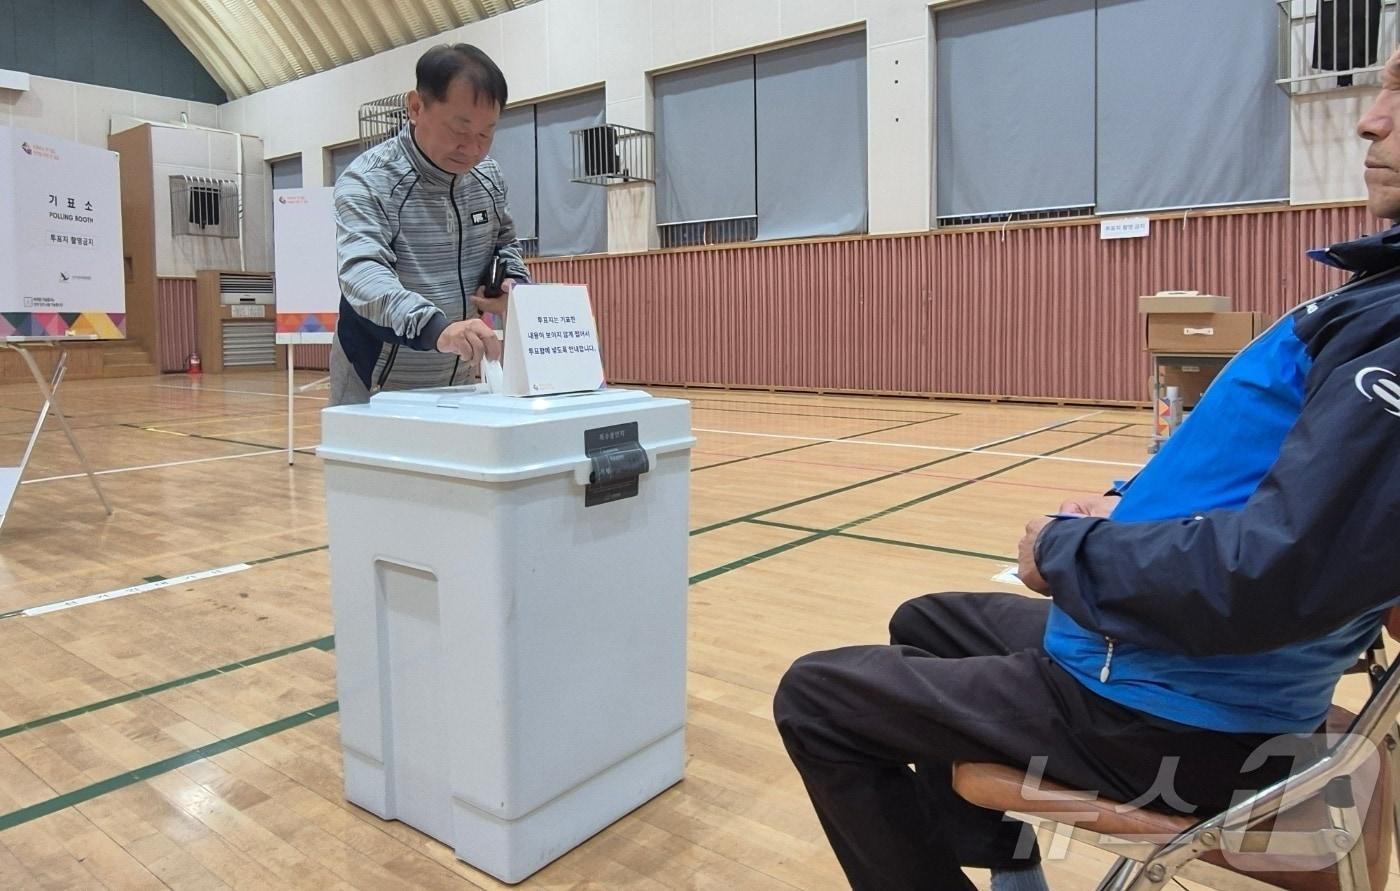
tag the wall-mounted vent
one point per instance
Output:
(203, 206)
(236, 288)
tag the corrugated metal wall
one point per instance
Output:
(1039, 311)
(175, 320)
(314, 357)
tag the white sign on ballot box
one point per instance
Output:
(551, 342)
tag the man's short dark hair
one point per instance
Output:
(439, 66)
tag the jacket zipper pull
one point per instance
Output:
(1107, 662)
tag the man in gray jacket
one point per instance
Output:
(419, 219)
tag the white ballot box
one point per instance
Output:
(508, 577)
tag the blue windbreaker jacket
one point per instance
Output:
(1251, 561)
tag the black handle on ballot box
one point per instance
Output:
(618, 465)
(618, 461)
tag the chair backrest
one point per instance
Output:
(1354, 771)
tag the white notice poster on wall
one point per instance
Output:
(308, 283)
(61, 272)
(1125, 227)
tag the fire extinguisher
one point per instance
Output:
(195, 366)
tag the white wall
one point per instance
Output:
(86, 113)
(1328, 157)
(191, 152)
(558, 46)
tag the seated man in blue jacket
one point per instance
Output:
(1210, 607)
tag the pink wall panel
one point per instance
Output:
(1037, 311)
(175, 320)
(175, 314)
(314, 357)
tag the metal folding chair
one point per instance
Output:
(1327, 827)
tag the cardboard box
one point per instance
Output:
(1205, 332)
(1190, 378)
(1182, 301)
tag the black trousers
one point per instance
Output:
(966, 679)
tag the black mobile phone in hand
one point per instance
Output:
(494, 276)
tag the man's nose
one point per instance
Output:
(1376, 124)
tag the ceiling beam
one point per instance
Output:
(292, 41)
(342, 46)
(206, 41)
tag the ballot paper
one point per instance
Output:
(493, 375)
(1008, 576)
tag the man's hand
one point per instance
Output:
(1090, 505)
(471, 339)
(1025, 557)
(494, 305)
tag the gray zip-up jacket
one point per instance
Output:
(412, 243)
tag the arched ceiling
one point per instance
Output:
(250, 45)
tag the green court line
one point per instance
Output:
(325, 644)
(888, 411)
(1122, 425)
(196, 419)
(820, 495)
(898, 542)
(793, 414)
(87, 793)
(274, 557)
(809, 445)
(131, 777)
(256, 445)
(10, 614)
(768, 454)
(913, 502)
(877, 479)
(321, 643)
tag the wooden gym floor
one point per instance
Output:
(186, 735)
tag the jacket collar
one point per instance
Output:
(1373, 253)
(426, 169)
